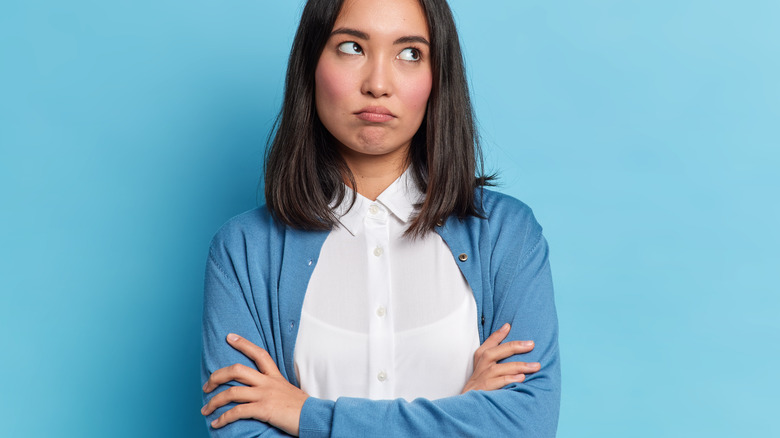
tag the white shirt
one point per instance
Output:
(385, 316)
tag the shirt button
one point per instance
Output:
(381, 311)
(382, 376)
(373, 209)
(463, 257)
(378, 251)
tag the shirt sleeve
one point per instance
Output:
(226, 309)
(523, 297)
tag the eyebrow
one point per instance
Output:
(412, 39)
(362, 35)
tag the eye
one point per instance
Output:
(409, 54)
(351, 48)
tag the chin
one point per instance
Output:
(372, 149)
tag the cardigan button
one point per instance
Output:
(463, 257)
(439, 223)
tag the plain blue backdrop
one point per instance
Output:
(645, 135)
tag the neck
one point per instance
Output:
(374, 174)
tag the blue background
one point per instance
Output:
(644, 134)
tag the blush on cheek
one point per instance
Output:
(326, 85)
(332, 85)
(416, 93)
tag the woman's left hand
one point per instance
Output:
(490, 375)
(268, 396)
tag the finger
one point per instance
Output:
(238, 372)
(507, 349)
(501, 381)
(260, 357)
(492, 341)
(496, 337)
(238, 394)
(242, 411)
(510, 369)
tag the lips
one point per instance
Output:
(375, 114)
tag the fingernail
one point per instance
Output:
(213, 423)
(527, 343)
(536, 365)
(203, 410)
(505, 327)
(204, 386)
(232, 337)
(519, 377)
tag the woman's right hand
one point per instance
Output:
(488, 373)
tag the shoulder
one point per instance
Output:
(257, 234)
(508, 225)
(252, 227)
(500, 204)
(503, 211)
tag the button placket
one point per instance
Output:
(381, 342)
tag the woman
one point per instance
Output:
(365, 291)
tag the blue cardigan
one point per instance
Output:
(256, 277)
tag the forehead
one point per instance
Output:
(383, 17)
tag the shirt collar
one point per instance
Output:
(400, 198)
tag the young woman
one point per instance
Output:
(365, 290)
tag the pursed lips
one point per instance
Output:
(375, 114)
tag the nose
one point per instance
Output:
(378, 78)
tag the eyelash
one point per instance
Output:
(417, 51)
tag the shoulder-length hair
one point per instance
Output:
(304, 172)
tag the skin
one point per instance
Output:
(377, 59)
(270, 398)
(267, 396)
(488, 374)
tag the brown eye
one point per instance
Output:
(409, 54)
(351, 48)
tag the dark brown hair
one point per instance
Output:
(304, 171)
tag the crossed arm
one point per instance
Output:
(254, 387)
(270, 398)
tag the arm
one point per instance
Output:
(270, 398)
(226, 310)
(529, 408)
(522, 297)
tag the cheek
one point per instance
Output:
(416, 92)
(330, 85)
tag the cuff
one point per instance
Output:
(316, 418)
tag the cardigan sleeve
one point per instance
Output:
(524, 298)
(226, 309)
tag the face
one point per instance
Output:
(374, 78)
